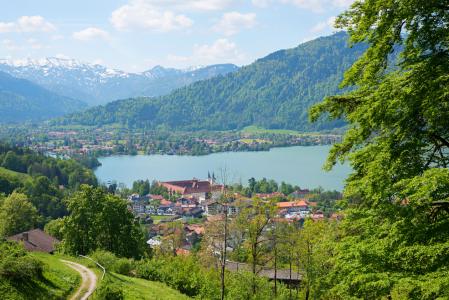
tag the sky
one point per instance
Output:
(136, 35)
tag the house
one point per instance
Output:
(210, 207)
(293, 206)
(150, 209)
(300, 193)
(196, 188)
(163, 209)
(36, 240)
(193, 213)
(139, 207)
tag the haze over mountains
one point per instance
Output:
(96, 84)
(21, 99)
(275, 92)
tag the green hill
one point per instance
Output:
(164, 85)
(57, 281)
(274, 92)
(20, 99)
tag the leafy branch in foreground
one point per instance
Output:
(394, 244)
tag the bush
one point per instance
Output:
(104, 258)
(122, 266)
(110, 292)
(16, 264)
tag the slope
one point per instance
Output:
(164, 85)
(274, 92)
(21, 99)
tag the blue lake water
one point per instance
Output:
(296, 165)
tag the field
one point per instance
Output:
(257, 129)
(249, 141)
(58, 281)
(157, 218)
(133, 288)
(22, 176)
(136, 288)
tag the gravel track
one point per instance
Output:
(89, 279)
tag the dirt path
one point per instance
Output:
(89, 279)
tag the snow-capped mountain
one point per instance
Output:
(92, 83)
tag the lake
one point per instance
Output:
(296, 165)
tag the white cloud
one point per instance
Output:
(39, 46)
(91, 34)
(7, 42)
(260, 3)
(57, 37)
(202, 6)
(27, 24)
(32, 41)
(142, 19)
(8, 57)
(176, 58)
(62, 56)
(319, 6)
(97, 62)
(307, 39)
(322, 25)
(233, 22)
(220, 50)
(318, 27)
(15, 48)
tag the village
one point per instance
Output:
(200, 202)
(105, 142)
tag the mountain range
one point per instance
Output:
(96, 84)
(21, 99)
(274, 92)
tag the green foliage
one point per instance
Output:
(394, 241)
(16, 264)
(57, 281)
(16, 215)
(53, 228)
(21, 99)
(101, 221)
(164, 85)
(274, 92)
(110, 291)
(187, 276)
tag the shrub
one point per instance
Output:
(110, 292)
(16, 264)
(122, 266)
(104, 258)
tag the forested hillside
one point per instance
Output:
(46, 176)
(274, 92)
(164, 85)
(21, 99)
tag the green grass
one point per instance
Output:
(22, 176)
(250, 141)
(257, 129)
(157, 218)
(58, 281)
(137, 288)
(133, 288)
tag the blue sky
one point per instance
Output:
(136, 35)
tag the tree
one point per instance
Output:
(217, 236)
(53, 228)
(17, 215)
(101, 221)
(172, 241)
(395, 235)
(254, 218)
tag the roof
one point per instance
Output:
(187, 187)
(38, 240)
(291, 204)
(282, 274)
